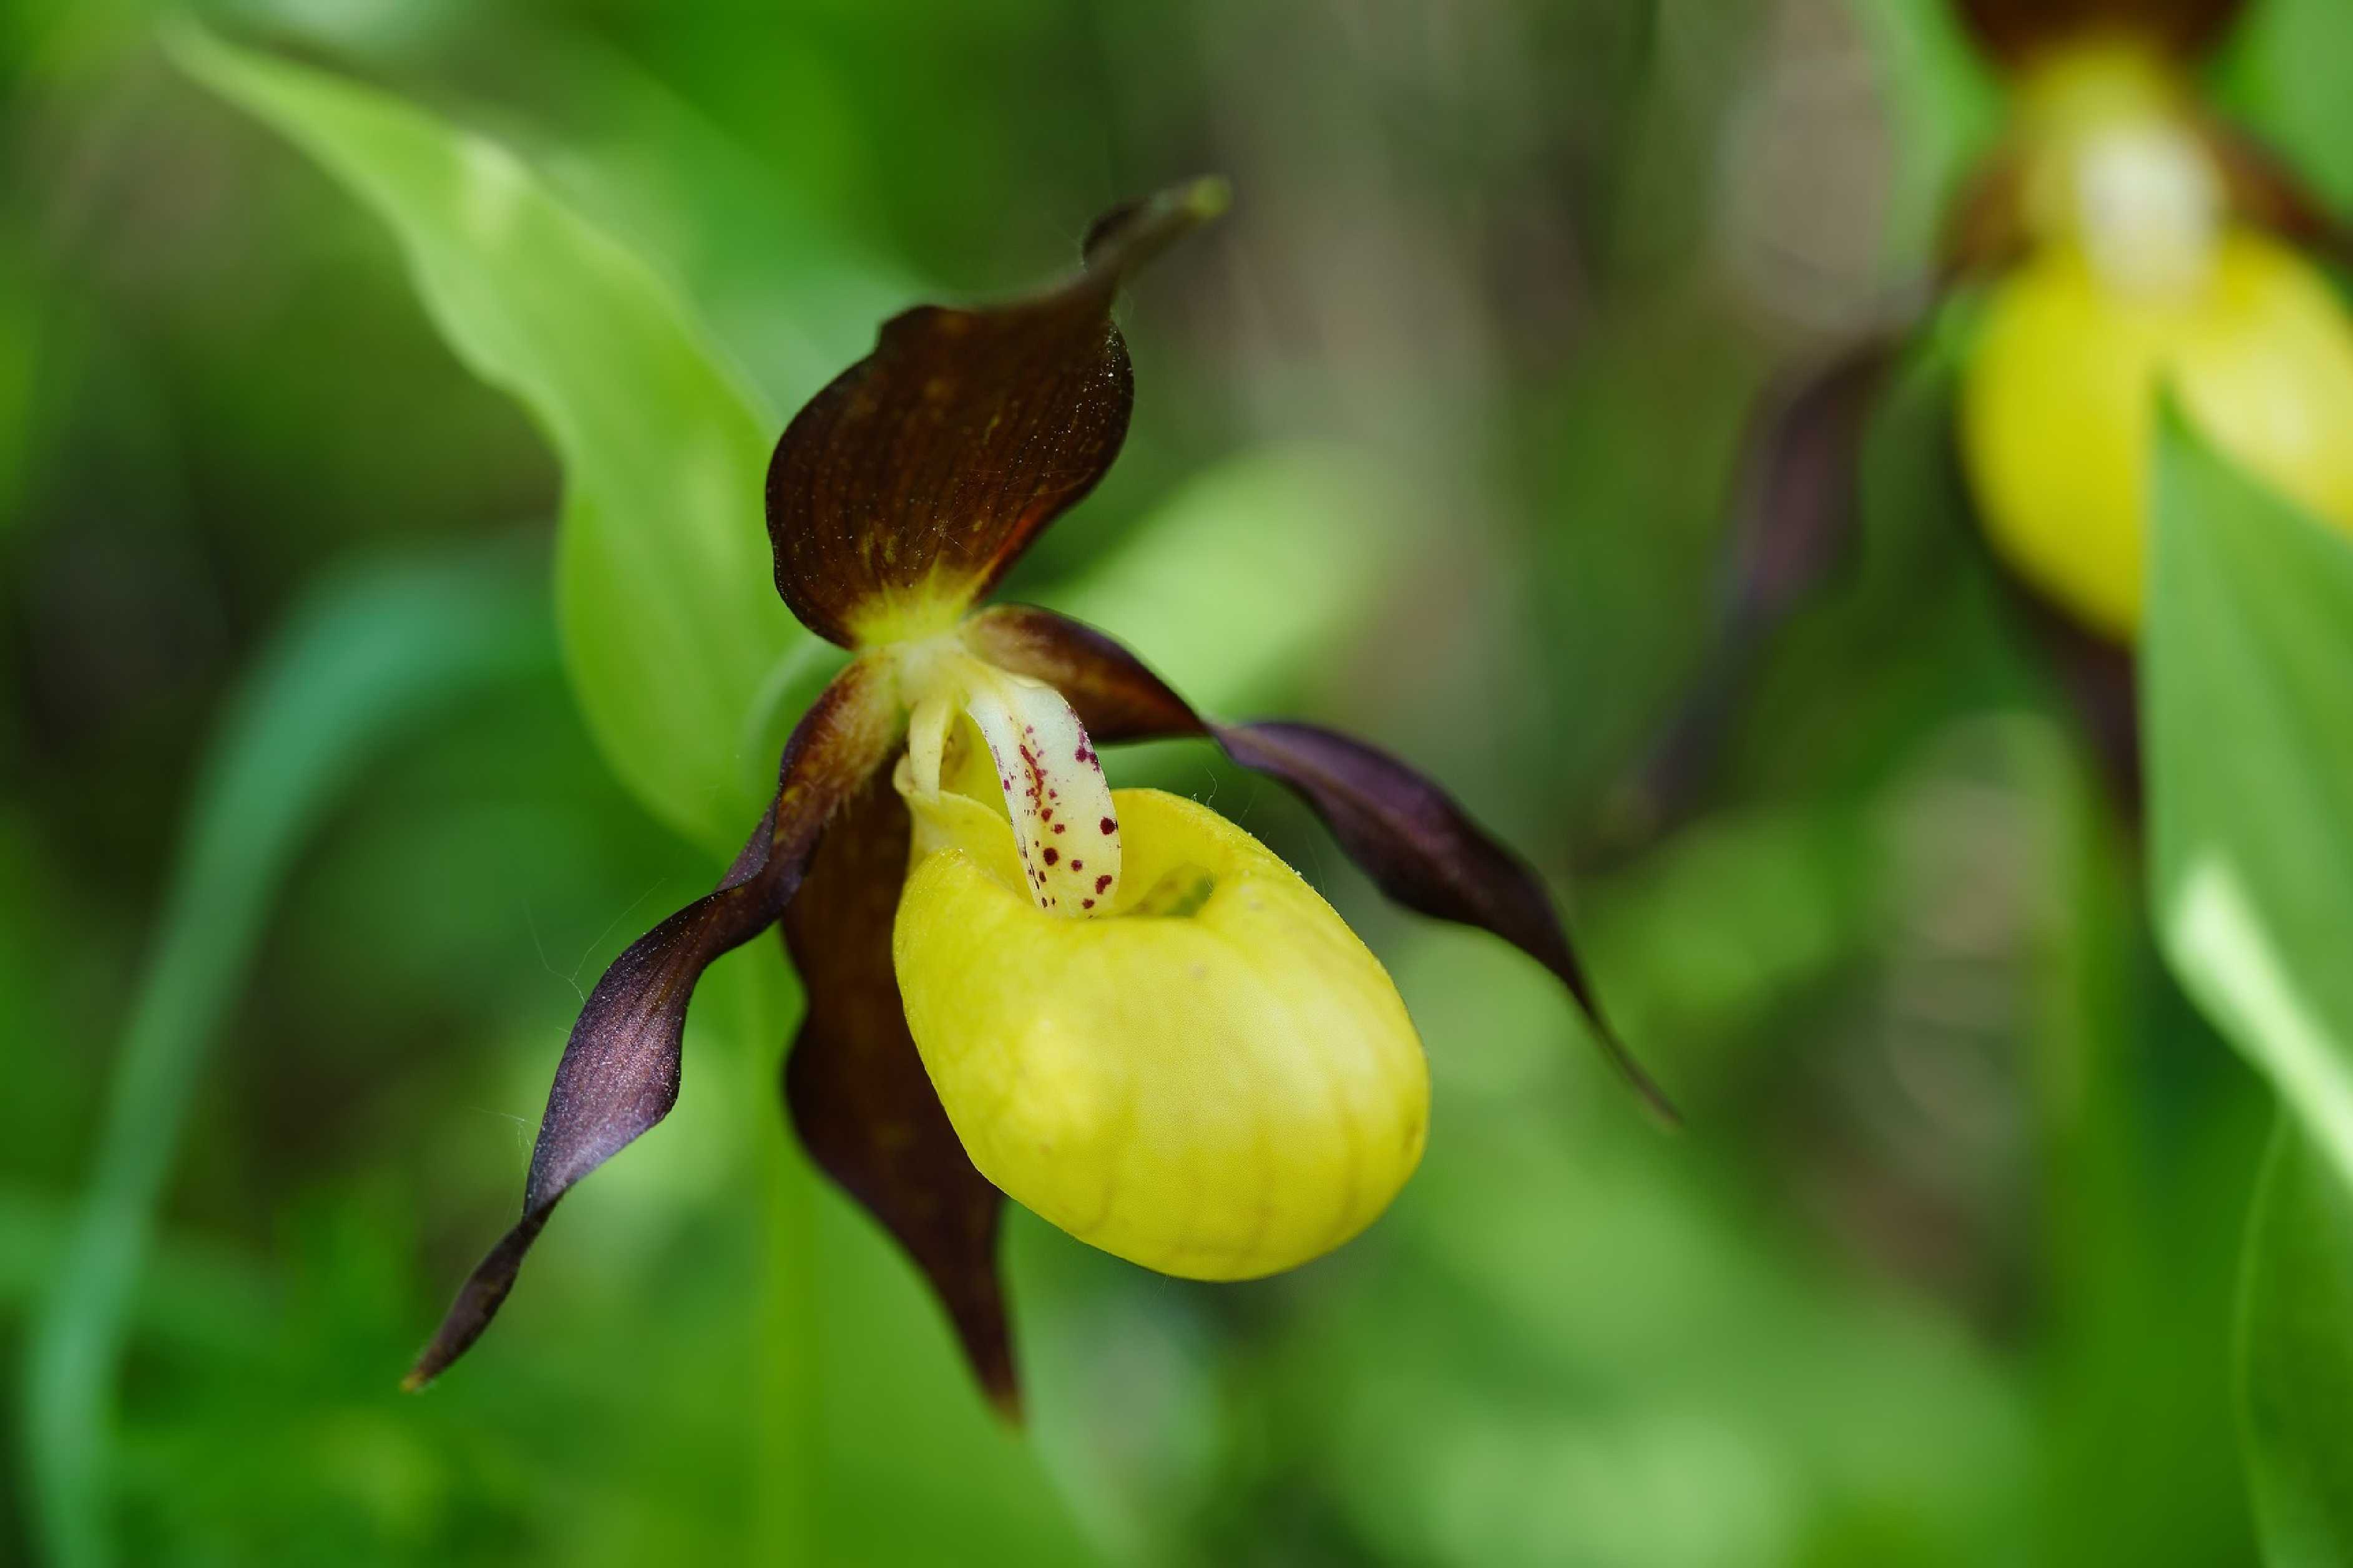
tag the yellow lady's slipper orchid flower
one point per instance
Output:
(2060, 397)
(2138, 286)
(2131, 248)
(1113, 1006)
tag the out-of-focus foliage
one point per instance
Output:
(2252, 781)
(2296, 1356)
(371, 659)
(2252, 776)
(670, 628)
(1433, 438)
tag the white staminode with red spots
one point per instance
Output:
(1064, 823)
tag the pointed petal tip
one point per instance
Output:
(1423, 851)
(1132, 233)
(1208, 197)
(1638, 1077)
(1006, 1400)
(861, 1101)
(619, 1073)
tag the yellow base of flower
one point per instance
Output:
(2059, 406)
(1213, 1077)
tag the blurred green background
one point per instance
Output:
(1434, 438)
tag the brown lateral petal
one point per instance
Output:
(1984, 228)
(620, 1068)
(1797, 519)
(1416, 843)
(1425, 852)
(859, 1098)
(2264, 187)
(1117, 699)
(917, 477)
(2013, 31)
(1800, 510)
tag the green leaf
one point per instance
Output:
(366, 657)
(1946, 107)
(672, 628)
(2248, 656)
(2282, 74)
(2248, 702)
(2296, 1356)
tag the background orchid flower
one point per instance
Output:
(2124, 245)
(1113, 1006)
(2152, 256)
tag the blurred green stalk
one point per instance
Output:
(368, 657)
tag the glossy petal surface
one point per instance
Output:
(1218, 1081)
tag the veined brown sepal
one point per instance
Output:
(906, 488)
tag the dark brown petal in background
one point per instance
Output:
(1800, 510)
(929, 466)
(1984, 227)
(2013, 31)
(1797, 519)
(620, 1068)
(858, 1093)
(1409, 835)
(2265, 189)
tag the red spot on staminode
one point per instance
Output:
(1078, 865)
(1052, 855)
(1086, 903)
(1057, 827)
(1047, 814)
(1100, 883)
(1109, 826)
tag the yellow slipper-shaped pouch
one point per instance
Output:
(1208, 1074)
